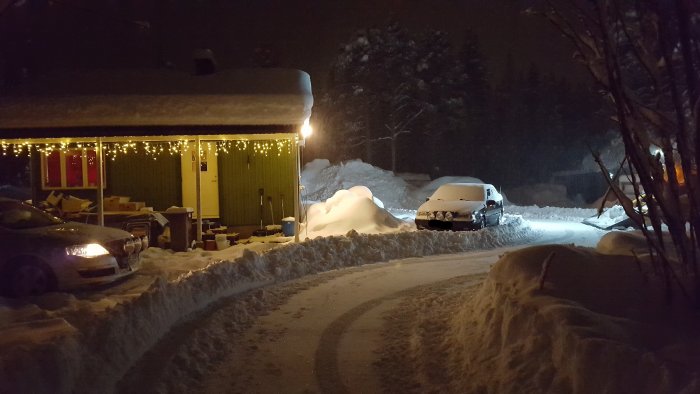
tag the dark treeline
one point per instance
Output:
(412, 103)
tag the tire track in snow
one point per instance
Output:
(327, 369)
(175, 376)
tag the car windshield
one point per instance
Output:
(459, 192)
(17, 216)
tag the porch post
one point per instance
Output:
(100, 182)
(198, 185)
(297, 190)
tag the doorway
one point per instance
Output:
(209, 182)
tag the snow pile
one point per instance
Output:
(321, 180)
(610, 218)
(596, 326)
(87, 344)
(551, 213)
(623, 243)
(353, 209)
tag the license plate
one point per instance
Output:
(133, 261)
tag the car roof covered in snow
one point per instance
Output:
(159, 97)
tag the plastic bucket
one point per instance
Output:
(221, 241)
(288, 226)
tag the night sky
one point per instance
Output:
(304, 34)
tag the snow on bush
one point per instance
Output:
(354, 209)
(596, 326)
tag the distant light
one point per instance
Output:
(306, 129)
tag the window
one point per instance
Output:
(70, 169)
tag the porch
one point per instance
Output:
(225, 144)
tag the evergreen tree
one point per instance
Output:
(391, 90)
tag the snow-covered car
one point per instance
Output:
(40, 252)
(461, 206)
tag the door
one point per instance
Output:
(209, 182)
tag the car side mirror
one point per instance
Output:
(490, 203)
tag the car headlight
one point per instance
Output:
(439, 216)
(448, 216)
(431, 215)
(137, 245)
(129, 247)
(87, 250)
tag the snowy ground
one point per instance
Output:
(85, 342)
(591, 307)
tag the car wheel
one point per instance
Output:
(28, 278)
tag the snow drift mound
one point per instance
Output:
(551, 213)
(613, 217)
(627, 243)
(321, 180)
(596, 327)
(353, 209)
(102, 343)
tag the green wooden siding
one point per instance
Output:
(158, 182)
(243, 173)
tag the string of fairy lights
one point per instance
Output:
(153, 149)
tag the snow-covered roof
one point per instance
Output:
(133, 98)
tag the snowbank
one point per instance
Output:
(623, 243)
(551, 213)
(87, 344)
(596, 326)
(613, 217)
(321, 181)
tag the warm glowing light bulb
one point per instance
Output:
(306, 129)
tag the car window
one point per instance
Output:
(459, 192)
(17, 216)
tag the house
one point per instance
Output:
(144, 128)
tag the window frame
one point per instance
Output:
(63, 154)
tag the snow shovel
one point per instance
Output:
(282, 200)
(272, 212)
(261, 232)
